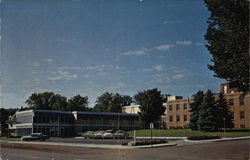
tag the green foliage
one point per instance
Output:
(228, 40)
(151, 107)
(195, 109)
(112, 102)
(4, 116)
(52, 101)
(47, 101)
(224, 114)
(78, 103)
(208, 114)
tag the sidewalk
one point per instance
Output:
(217, 140)
(106, 146)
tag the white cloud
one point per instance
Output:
(158, 67)
(121, 85)
(199, 44)
(178, 76)
(164, 47)
(35, 64)
(184, 42)
(60, 75)
(86, 76)
(141, 52)
(48, 60)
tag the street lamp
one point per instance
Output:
(224, 125)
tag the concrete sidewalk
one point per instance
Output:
(106, 146)
(217, 140)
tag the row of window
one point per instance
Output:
(185, 106)
(241, 101)
(53, 119)
(178, 118)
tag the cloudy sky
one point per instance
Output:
(88, 47)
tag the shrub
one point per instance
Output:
(203, 137)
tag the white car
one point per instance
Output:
(98, 134)
(108, 134)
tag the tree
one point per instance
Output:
(228, 40)
(224, 114)
(151, 107)
(195, 109)
(4, 116)
(112, 102)
(47, 101)
(208, 115)
(78, 103)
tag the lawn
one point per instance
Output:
(186, 133)
(10, 138)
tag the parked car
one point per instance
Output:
(108, 134)
(121, 134)
(97, 134)
(35, 136)
(88, 134)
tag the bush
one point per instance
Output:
(203, 137)
(146, 142)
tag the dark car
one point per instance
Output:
(121, 134)
(35, 137)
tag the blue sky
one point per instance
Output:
(88, 47)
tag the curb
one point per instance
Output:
(217, 140)
(88, 145)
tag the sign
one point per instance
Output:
(151, 125)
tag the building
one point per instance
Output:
(178, 113)
(59, 123)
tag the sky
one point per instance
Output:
(88, 47)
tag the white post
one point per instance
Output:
(134, 135)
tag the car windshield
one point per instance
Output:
(119, 131)
(35, 134)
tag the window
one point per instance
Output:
(177, 107)
(185, 117)
(241, 99)
(231, 101)
(178, 118)
(170, 107)
(170, 118)
(242, 115)
(185, 106)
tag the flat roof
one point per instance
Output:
(75, 112)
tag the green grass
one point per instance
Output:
(10, 138)
(186, 133)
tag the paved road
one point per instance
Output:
(228, 150)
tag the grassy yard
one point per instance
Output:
(10, 139)
(186, 133)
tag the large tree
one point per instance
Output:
(151, 107)
(47, 101)
(225, 117)
(208, 115)
(228, 40)
(78, 103)
(112, 102)
(195, 108)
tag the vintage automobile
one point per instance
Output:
(35, 137)
(121, 134)
(97, 134)
(88, 134)
(108, 134)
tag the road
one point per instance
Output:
(227, 150)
